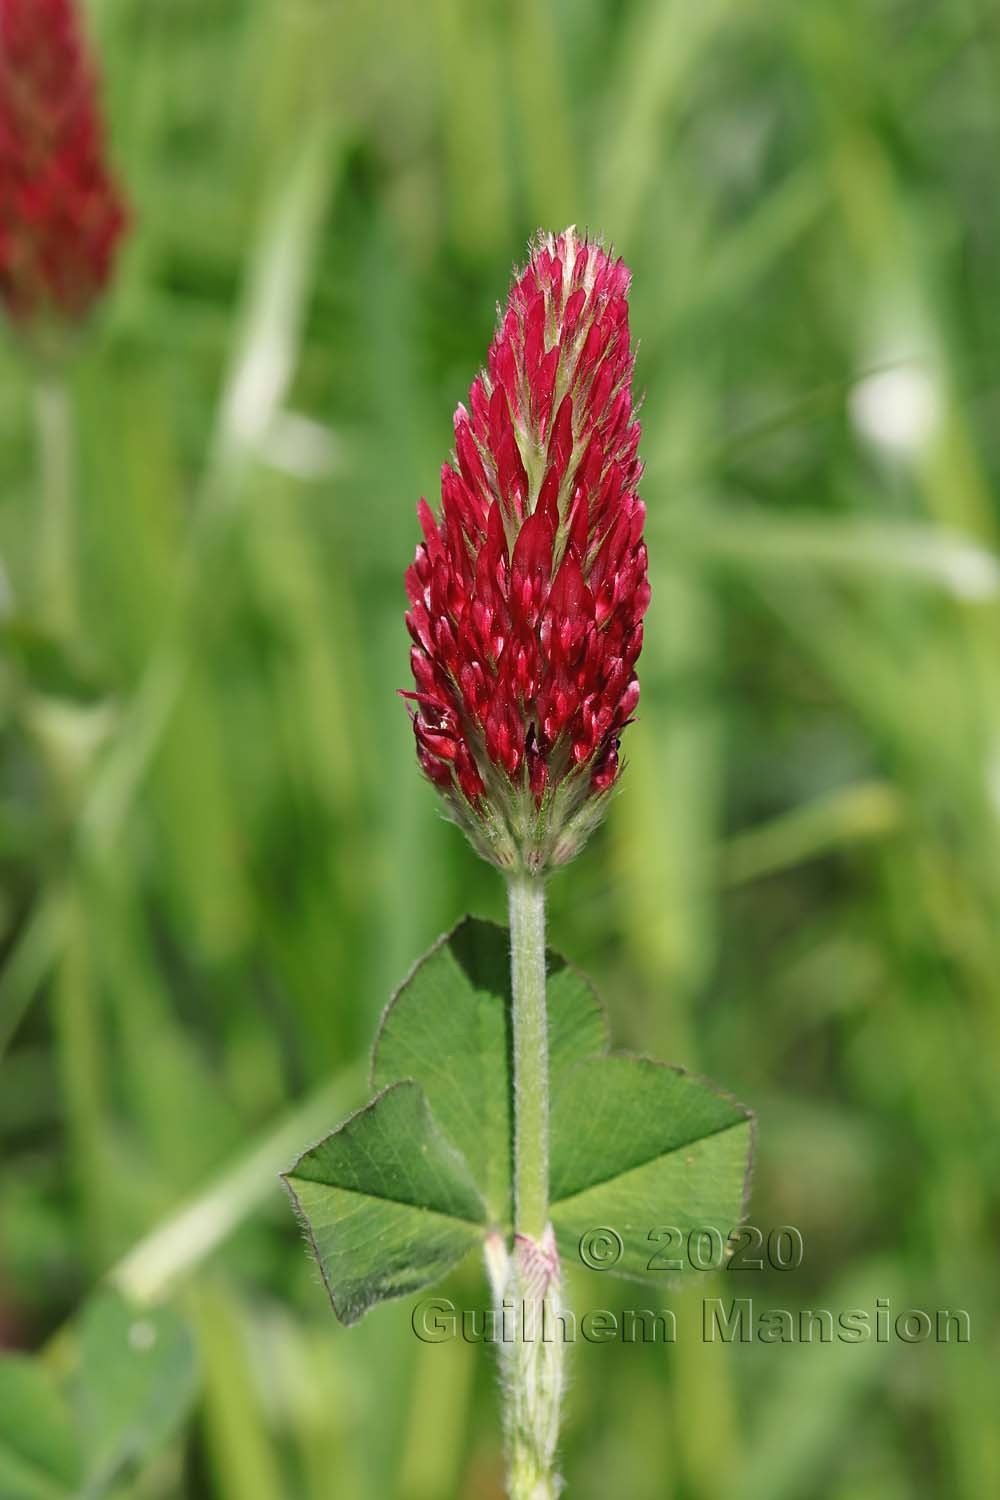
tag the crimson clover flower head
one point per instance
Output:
(527, 595)
(61, 214)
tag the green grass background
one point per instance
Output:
(218, 858)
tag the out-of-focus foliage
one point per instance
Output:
(218, 858)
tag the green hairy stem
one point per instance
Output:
(531, 1055)
(527, 1283)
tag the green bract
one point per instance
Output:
(404, 1188)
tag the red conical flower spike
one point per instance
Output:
(61, 216)
(527, 596)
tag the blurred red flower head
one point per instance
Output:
(527, 596)
(61, 214)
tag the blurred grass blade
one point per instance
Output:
(180, 1244)
(831, 823)
(870, 550)
(245, 1459)
(818, 1396)
(265, 355)
(39, 1451)
(270, 323)
(26, 965)
(661, 52)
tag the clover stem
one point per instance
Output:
(526, 894)
(56, 581)
(532, 1361)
